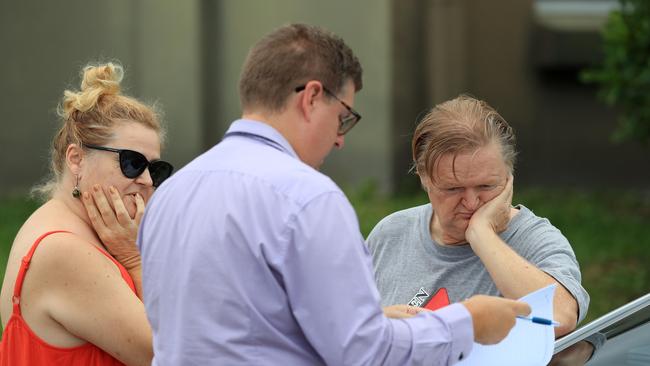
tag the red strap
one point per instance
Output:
(125, 274)
(23, 268)
(24, 265)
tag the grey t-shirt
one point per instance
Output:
(410, 268)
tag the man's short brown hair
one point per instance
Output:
(463, 124)
(291, 56)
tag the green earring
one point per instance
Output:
(76, 193)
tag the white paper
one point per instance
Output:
(527, 344)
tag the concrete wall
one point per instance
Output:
(492, 50)
(365, 26)
(45, 45)
(563, 131)
(187, 55)
(184, 55)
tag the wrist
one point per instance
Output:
(476, 231)
(130, 262)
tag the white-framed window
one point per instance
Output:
(573, 15)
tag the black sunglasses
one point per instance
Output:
(133, 163)
(345, 122)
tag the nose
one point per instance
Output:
(339, 142)
(145, 178)
(471, 200)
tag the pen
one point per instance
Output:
(538, 320)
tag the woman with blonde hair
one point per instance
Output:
(72, 286)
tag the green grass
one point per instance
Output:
(609, 231)
(13, 212)
(610, 234)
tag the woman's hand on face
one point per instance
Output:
(494, 214)
(115, 227)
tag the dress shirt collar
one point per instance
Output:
(263, 131)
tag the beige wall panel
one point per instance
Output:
(168, 71)
(44, 45)
(365, 27)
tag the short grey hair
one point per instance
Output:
(460, 125)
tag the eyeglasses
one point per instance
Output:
(345, 122)
(133, 163)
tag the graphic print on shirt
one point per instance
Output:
(439, 300)
(419, 298)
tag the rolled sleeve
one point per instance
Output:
(448, 331)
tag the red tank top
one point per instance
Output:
(21, 346)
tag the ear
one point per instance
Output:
(74, 157)
(313, 91)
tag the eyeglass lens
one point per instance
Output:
(133, 163)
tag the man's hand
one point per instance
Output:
(493, 317)
(493, 215)
(402, 311)
(115, 228)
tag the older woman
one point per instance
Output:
(71, 289)
(468, 239)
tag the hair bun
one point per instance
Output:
(104, 78)
(97, 81)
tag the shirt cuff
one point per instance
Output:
(461, 329)
(441, 337)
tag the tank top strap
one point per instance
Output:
(125, 274)
(24, 265)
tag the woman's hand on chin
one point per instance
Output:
(115, 227)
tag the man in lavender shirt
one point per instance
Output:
(252, 257)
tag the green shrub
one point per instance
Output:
(608, 231)
(623, 76)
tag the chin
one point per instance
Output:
(131, 211)
(129, 203)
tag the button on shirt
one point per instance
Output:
(251, 257)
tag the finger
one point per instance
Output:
(93, 213)
(521, 308)
(416, 310)
(506, 193)
(398, 315)
(394, 314)
(398, 311)
(120, 210)
(402, 314)
(139, 208)
(107, 213)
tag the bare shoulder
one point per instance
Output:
(78, 294)
(67, 255)
(66, 248)
(68, 277)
